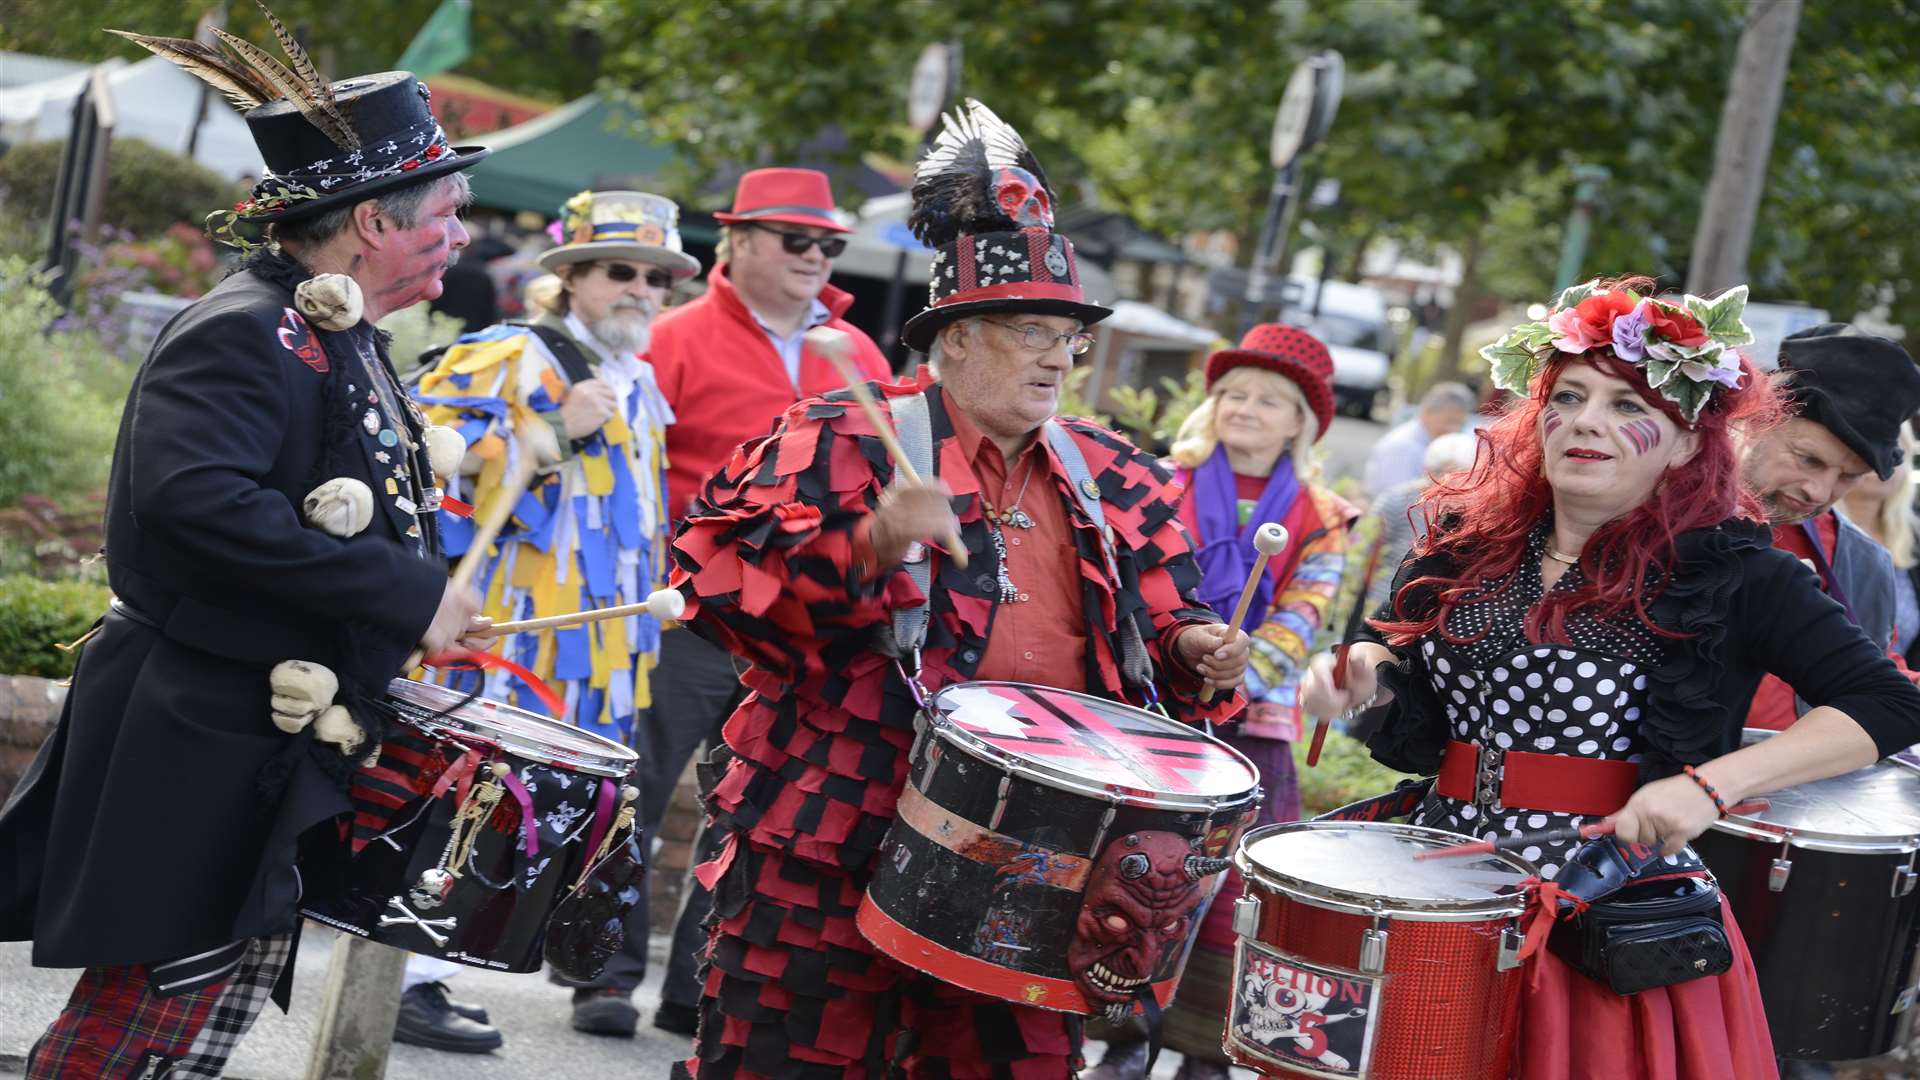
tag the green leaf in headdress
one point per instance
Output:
(1721, 316)
(1573, 294)
(1512, 360)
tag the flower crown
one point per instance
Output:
(1688, 349)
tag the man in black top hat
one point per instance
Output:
(1850, 392)
(273, 557)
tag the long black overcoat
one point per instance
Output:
(162, 817)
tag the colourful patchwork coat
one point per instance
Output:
(589, 533)
(767, 557)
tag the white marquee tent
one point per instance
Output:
(152, 100)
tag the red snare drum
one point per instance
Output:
(1055, 849)
(1354, 960)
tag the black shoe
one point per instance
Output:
(475, 1013)
(428, 1019)
(679, 1019)
(605, 1010)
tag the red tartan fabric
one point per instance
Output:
(111, 1023)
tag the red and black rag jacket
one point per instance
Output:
(767, 560)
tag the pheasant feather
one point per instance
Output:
(239, 83)
(321, 88)
(289, 86)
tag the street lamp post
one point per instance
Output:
(1587, 181)
(1305, 114)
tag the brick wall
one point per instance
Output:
(669, 872)
(28, 708)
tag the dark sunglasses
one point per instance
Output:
(794, 243)
(622, 273)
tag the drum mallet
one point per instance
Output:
(1354, 619)
(1557, 835)
(662, 604)
(1269, 540)
(837, 347)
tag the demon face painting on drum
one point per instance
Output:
(1144, 894)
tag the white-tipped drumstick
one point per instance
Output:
(662, 604)
(837, 347)
(1268, 540)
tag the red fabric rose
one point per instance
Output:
(1590, 324)
(1675, 325)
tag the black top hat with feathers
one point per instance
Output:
(981, 200)
(325, 144)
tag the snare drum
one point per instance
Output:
(1036, 828)
(476, 820)
(1354, 960)
(1822, 883)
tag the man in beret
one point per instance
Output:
(1850, 392)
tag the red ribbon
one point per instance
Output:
(460, 657)
(455, 507)
(1543, 907)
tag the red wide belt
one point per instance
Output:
(1520, 780)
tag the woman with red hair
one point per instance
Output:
(1578, 636)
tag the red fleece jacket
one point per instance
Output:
(726, 383)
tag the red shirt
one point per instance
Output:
(1042, 636)
(1773, 706)
(726, 381)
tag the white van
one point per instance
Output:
(1352, 320)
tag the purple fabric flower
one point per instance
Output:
(1629, 330)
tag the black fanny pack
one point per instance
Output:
(1647, 934)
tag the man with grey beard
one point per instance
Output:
(569, 389)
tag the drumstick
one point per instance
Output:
(487, 529)
(1341, 650)
(837, 347)
(1269, 540)
(662, 604)
(1554, 835)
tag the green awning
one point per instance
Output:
(589, 143)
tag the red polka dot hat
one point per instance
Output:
(1288, 351)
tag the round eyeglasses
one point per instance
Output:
(1040, 339)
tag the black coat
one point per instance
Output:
(161, 818)
(1746, 609)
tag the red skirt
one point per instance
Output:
(1573, 1028)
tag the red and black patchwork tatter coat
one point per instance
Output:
(766, 557)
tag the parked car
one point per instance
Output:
(1352, 320)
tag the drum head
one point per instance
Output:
(1878, 806)
(438, 710)
(1372, 865)
(1091, 745)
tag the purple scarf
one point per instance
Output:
(1226, 554)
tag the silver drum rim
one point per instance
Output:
(1750, 827)
(1314, 894)
(598, 756)
(958, 738)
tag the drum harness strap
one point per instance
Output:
(914, 426)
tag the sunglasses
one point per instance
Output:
(623, 273)
(794, 243)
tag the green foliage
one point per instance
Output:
(415, 330)
(57, 403)
(1346, 773)
(35, 615)
(148, 188)
(1154, 419)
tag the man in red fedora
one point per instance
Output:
(730, 363)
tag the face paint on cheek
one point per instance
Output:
(1549, 420)
(1642, 435)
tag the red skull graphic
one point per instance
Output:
(297, 338)
(1022, 197)
(1145, 891)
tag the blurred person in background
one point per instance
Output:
(1400, 453)
(1884, 511)
(1398, 527)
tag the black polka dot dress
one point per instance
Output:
(1585, 698)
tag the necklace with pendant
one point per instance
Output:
(1012, 515)
(997, 523)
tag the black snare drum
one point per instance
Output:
(476, 820)
(1822, 883)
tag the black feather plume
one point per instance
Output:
(954, 186)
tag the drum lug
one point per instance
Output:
(1511, 941)
(1782, 866)
(1373, 948)
(1106, 822)
(1904, 879)
(1000, 802)
(1246, 916)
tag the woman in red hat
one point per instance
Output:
(1246, 458)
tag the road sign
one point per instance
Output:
(927, 93)
(1307, 107)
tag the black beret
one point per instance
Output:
(1854, 384)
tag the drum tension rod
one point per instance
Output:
(1782, 866)
(1904, 878)
(1373, 947)
(1000, 802)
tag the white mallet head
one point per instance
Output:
(664, 604)
(1270, 539)
(835, 345)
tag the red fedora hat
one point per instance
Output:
(1287, 351)
(792, 196)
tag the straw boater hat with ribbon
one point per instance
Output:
(325, 144)
(631, 225)
(981, 200)
(783, 196)
(1289, 352)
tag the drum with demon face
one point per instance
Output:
(1055, 849)
(1356, 960)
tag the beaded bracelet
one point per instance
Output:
(1718, 803)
